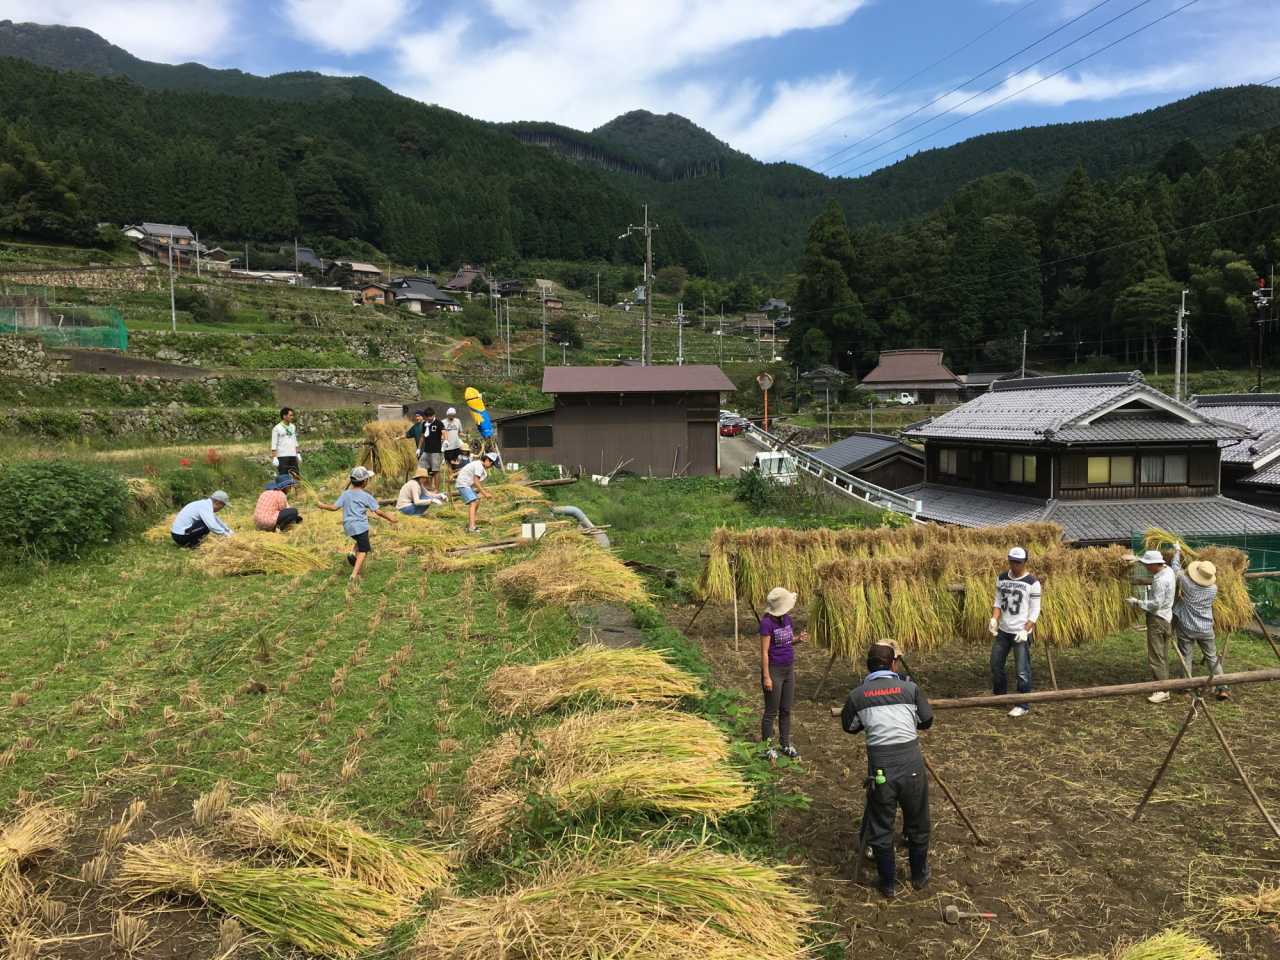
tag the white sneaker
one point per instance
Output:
(1160, 696)
(1017, 712)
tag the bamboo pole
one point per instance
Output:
(1265, 632)
(825, 674)
(733, 575)
(695, 616)
(1240, 770)
(1048, 652)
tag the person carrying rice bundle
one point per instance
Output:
(1159, 609)
(1014, 613)
(1193, 615)
(415, 497)
(272, 511)
(199, 518)
(356, 504)
(891, 709)
(778, 672)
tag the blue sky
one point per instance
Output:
(800, 80)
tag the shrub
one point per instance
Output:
(56, 508)
(332, 458)
(245, 392)
(190, 483)
(563, 329)
(540, 470)
(476, 321)
(197, 394)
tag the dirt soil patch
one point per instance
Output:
(1067, 871)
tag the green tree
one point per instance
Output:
(824, 299)
(1075, 225)
(671, 279)
(811, 350)
(475, 321)
(47, 199)
(564, 329)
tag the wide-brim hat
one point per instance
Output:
(1152, 556)
(1203, 572)
(422, 473)
(779, 601)
(280, 482)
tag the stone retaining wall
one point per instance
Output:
(24, 353)
(111, 278)
(233, 349)
(181, 425)
(395, 380)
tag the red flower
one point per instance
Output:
(184, 462)
(213, 458)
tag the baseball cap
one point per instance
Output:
(362, 473)
(221, 497)
(1018, 553)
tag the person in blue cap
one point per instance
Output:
(272, 511)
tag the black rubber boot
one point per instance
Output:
(919, 868)
(884, 875)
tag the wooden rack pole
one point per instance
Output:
(733, 575)
(1240, 770)
(695, 616)
(825, 673)
(1048, 652)
(1265, 632)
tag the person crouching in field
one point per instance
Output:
(415, 498)
(272, 511)
(356, 504)
(1013, 619)
(777, 671)
(198, 519)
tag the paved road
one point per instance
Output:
(736, 453)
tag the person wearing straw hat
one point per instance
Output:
(415, 498)
(891, 710)
(1159, 610)
(1014, 613)
(1193, 615)
(272, 511)
(777, 671)
(199, 518)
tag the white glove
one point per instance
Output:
(299, 457)
(1132, 601)
(275, 461)
(1020, 637)
(993, 627)
(1177, 546)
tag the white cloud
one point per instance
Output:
(169, 31)
(348, 26)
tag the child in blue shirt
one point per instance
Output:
(356, 504)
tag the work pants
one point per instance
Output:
(194, 534)
(1187, 641)
(290, 466)
(907, 786)
(287, 516)
(777, 703)
(1000, 648)
(1158, 632)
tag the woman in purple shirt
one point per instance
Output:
(777, 671)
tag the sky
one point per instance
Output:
(842, 86)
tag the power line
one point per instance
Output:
(918, 73)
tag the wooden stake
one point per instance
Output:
(695, 615)
(945, 789)
(1048, 652)
(1240, 770)
(733, 575)
(822, 682)
(1266, 633)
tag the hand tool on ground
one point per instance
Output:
(952, 914)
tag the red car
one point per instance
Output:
(730, 429)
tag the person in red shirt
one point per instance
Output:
(272, 511)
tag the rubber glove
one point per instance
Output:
(275, 461)
(1020, 637)
(993, 627)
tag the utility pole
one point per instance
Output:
(680, 334)
(599, 309)
(1263, 296)
(246, 258)
(544, 324)
(1024, 355)
(1177, 350)
(297, 277)
(646, 341)
(507, 306)
(173, 308)
(720, 345)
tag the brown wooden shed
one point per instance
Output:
(655, 420)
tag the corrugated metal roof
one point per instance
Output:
(847, 453)
(911, 367)
(661, 379)
(1259, 412)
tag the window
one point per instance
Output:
(1170, 468)
(1022, 468)
(540, 437)
(1111, 471)
(527, 437)
(947, 462)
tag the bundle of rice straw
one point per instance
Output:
(1262, 907)
(908, 598)
(145, 494)
(626, 676)
(569, 569)
(160, 531)
(342, 846)
(768, 557)
(312, 909)
(36, 834)
(516, 493)
(1232, 608)
(253, 551)
(424, 535)
(386, 451)
(1169, 945)
(617, 900)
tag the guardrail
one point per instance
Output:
(845, 483)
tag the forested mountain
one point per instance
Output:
(668, 141)
(74, 48)
(427, 185)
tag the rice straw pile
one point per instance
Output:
(907, 597)
(1260, 907)
(669, 763)
(254, 551)
(145, 494)
(569, 569)
(628, 901)
(767, 557)
(36, 834)
(341, 846)
(625, 676)
(387, 452)
(1232, 608)
(1169, 945)
(312, 909)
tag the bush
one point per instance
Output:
(475, 321)
(193, 302)
(245, 392)
(329, 460)
(57, 508)
(190, 483)
(540, 470)
(563, 329)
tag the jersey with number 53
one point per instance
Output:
(1018, 599)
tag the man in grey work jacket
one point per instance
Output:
(891, 709)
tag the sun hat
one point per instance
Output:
(891, 643)
(1152, 556)
(779, 601)
(1018, 553)
(280, 482)
(359, 474)
(422, 472)
(221, 497)
(1203, 572)
(450, 412)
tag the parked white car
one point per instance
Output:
(905, 397)
(779, 467)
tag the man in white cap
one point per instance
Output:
(1013, 619)
(1193, 615)
(452, 446)
(1159, 609)
(777, 671)
(198, 519)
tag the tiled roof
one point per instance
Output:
(1053, 408)
(419, 288)
(1268, 476)
(167, 230)
(1260, 412)
(1093, 520)
(847, 453)
(661, 379)
(463, 278)
(911, 368)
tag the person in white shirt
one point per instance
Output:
(284, 445)
(452, 446)
(470, 488)
(1159, 609)
(1013, 619)
(198, 519)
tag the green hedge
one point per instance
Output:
(197, 425)
(55, 509)
(93, 390)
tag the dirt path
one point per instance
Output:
(1068, 872)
